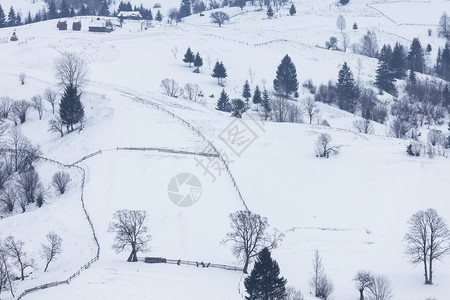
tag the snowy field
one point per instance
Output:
(352, 207)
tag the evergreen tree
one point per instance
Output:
(292, 10)
(346, 89)
(72, 12)
(264, 281)
(189, 56)
(270, 12)
(446, 97)
(257, 99)
(84, 10)
(185, 8)
(444, 71)
(238, 107)
(71, 111)
(18, 19)
(149, 15)
(2, 18)
(159, 16)
(198, 61)
(12, 17)
(266, 104)
(224, 102)
(398, 61)
(286, 79)
(241, 3)
(104, 10)
(386, 54)
(385, 78)
(246, 92)
(415, 56)
(355, 26)
(29, 19)
(412, 77)
(219, 72)
(52, 13)
(429, 48)
(64, 10)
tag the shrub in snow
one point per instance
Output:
(435, 137)
(323, 146)
(170, 87)
(29, 185)
(363, 126)
(414, 149)
(60, 181)
(22, 77)
(293, 294)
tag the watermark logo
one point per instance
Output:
(184, 190)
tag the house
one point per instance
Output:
(129, 15)
(62, 25)
(100, 25)
(76, 26)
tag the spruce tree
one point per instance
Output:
(52, 13)
(12, 17)
(219, 72)
(445, 63)
(398, 61)
(198, 62)
(292, 10)
(266, 104)
(223, 104)
(29, 19)
(238, 107)
(72, 12)
(185, 8)
(64, 10)
(104, 10)
(385, 78)
(246, 91)
(71, 111)
(286, 79)
(270, 12)
(2, 18)
(446, 97)
(264, 281)
(347, 89)
(412, 77)
(257, 97)
(158, 16)
(189, 56)
(386, 54)
(415, 56)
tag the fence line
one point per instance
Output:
(189, 263)
(195, 130)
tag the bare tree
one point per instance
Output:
(131, 231)
(191, 91)
(380, 289)
(340, 23)
(309, 107)
(435, 137)
(323, 146)
(363, 280)
(173, 14)
(345, 41)
(428, 240)
(280, 109)
(71, 70)
(56, 125)
(50, 97)
(363, 126)
(29, 185)
(22, 77)
(174, 51)
(249, 235)
(38, 105)
(8, 199)
(170, 87)
(319, 282)
(60, 181)
(19, 111)
(52, 249)
(399, 128)
(14, 249)
(5, 273)
(5, 175)
(6, 105)
(251, 74)
(219, 17)
(293, 294)
(369, 44)
(22, 152)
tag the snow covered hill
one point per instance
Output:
(352, 207)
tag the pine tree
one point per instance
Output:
(185, 8)
(2, 18)
(446, 97)
(286, 79)
(104, 10)
(11, 17)
(219, 72)
(412, 77)
(264, 281)
(257, 97)
(445, 63)
(72, 12)
(385, 78)
(347, 89)
(189, 56)
(246, 92)
(386, 54)
(266, 104)
(29, 19)
(292, 10)
(429, 48)
(415, 56)
(224, 102)
(398, 61)
(84, 10)
(64, 10)
(238, 107)
(71, 111)
(159, 16)
(150, 15)
(198, 62)
(52, 13)
(270, 12)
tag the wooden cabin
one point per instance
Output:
(129, 15)
(100, 25)
(62, 25)
(76, 26)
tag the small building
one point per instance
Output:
(62, 25)
(99, 25)
(129, 15)
(76, 26)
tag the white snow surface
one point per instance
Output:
(352, 207)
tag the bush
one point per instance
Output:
(308, 84)
(29, 185)
(414, 149)
(435, 137)
(293, 294)
(400, 128)
(170, 87)
(326, 93)
(323, 146)
(60, 181)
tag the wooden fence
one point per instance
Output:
(198, 264)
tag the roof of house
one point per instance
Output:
(127, 14)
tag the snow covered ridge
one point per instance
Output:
(353, 207)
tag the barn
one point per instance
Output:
(76, 26)
(62, 25)
(100, 25)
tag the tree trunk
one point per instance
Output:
(425, 268)
(246, 265)
(361, 294)
(132, 257)
(430, 277)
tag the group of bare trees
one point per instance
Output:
(373, 287)
(319, 282)
(15, 261)
(190, 91)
